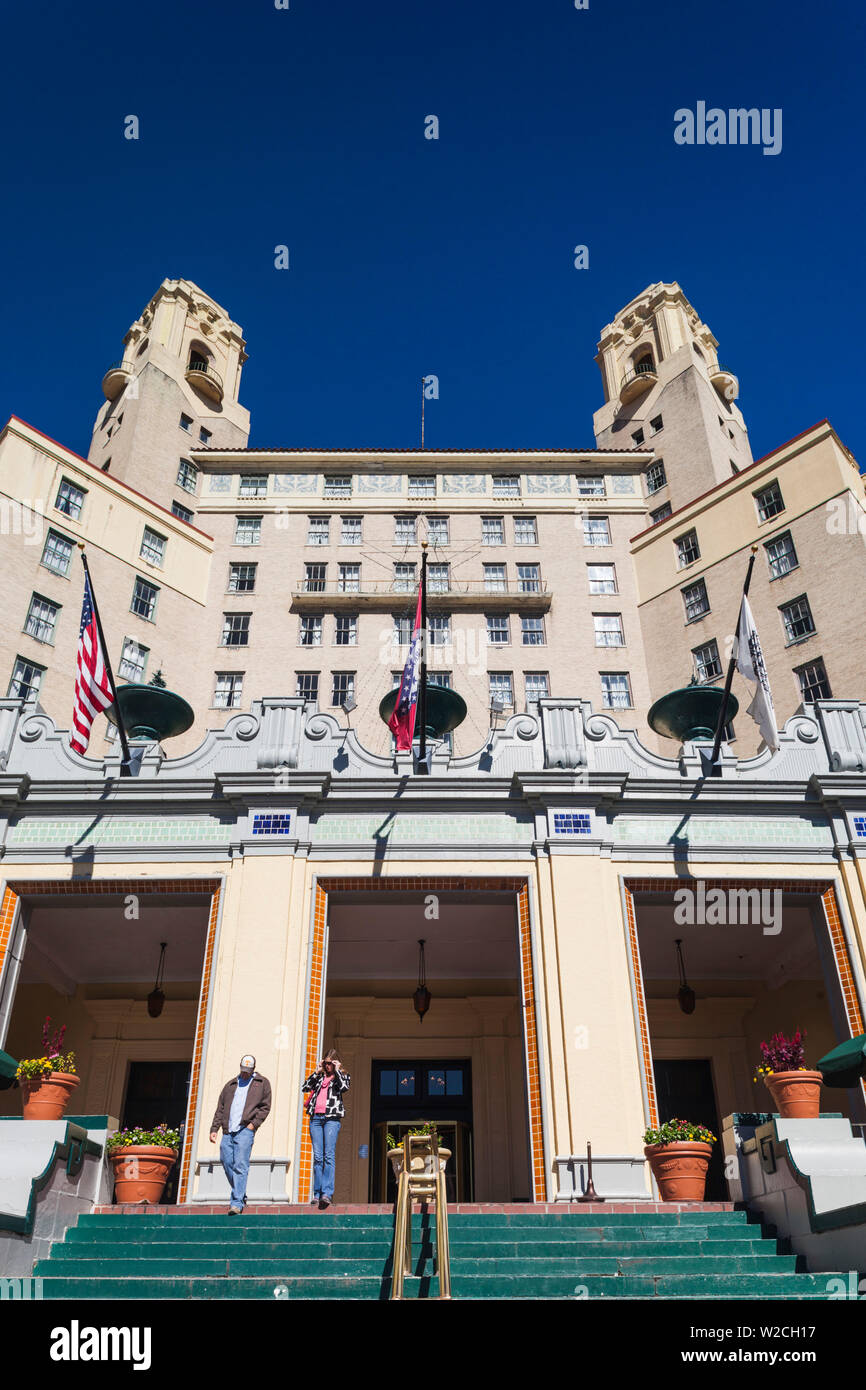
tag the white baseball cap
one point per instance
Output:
(248, 1063)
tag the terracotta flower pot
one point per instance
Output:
(680, 1169)
(141, 1172)
(796, 1094)
(46, 1097)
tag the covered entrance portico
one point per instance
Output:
(472, 1064)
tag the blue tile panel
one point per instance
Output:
(272, 823)
(571, 823)
(860, 827)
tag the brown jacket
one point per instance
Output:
(256, 1107)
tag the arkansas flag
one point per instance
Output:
(402, 721)
(750, 664)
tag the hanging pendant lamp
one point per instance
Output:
(156, 998)
(685, 995)
(422, 996)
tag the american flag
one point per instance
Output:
(402, 721)
(92, 684)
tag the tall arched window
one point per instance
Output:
(198, 358)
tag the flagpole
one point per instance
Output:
(121, 727)
(720, 727)
(422, 688)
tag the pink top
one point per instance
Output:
(322, 1097)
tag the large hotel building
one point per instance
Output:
(292, 861)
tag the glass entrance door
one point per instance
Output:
(406, 1094)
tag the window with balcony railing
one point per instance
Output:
(314, 578)
(494, 579)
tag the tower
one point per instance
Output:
(175, 389)
(664, 389)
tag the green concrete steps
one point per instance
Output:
(565, 1254)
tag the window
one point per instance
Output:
(656, 424)
(769, 501)
(242, 579)
(529, 579)
(317, 530)
(236, 630)
(144, 599)
(501, 687)
(343, 688)
(492, 530)
(590, 486)
(205, 436)
(254, 485)
(814, 684)
(707, 663)
(310, 632)
(422, 486)
(781, 555)
(442, 678)
(439, 628)
(182, 513)
(506, 485)
(346, 630)
(57, 553)
(402, 630)
(133, 661)
(696, 601)
(596, 530)
(338, 485)
(248, 530)
(26, 680)
(307, 685)
(615, 690)
(70, 499)
(404, 578)
(349, 581)
(350, 529)
(661, 513)
(314, 578)
(602, 579)
(494, 579)
(687, 549)
(41, 619)
(532, 631)
(186, 423)
(537, 686)
(187, 475)
(525, 530)
(152, 547)
(438, 579)
(797, 618)
(404, 530)
(608, 629)
(497, 629)
(437, 530)
(655, 476)
(638, 438)
(228, 689)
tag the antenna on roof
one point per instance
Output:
(422, 412)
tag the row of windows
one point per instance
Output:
(405, 578)
(796, 615)
(248, 530)
(311, 630)
(769, 503)
(57, 551)
(812, 677)
(228, 688)
(340, 486)
(656, 425)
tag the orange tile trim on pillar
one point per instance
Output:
(847, 983)
(643, 1021)
(536, 1133)
(198, 1048)
(7, 917)
(314, 1024)
(402, 884)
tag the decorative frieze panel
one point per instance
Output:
(622, 485)
(464, 483)
(219, 482)
(548, 484)
(375, 484)
(301, 484)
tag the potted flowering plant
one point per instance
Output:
(47, 1082)
(142, 1160)
(422, 1154)
(679, 1155)
(796, 1091)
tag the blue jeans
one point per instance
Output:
(235, 1150)
(323, 1136)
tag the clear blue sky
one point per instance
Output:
(409, 256)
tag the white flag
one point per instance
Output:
(750, 664)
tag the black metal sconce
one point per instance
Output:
(422, 996)
(156, 998)
(685, 994)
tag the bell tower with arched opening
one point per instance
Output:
(175, 389)
(664, 389)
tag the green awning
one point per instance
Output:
(8, 1066)
(846, 1064)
